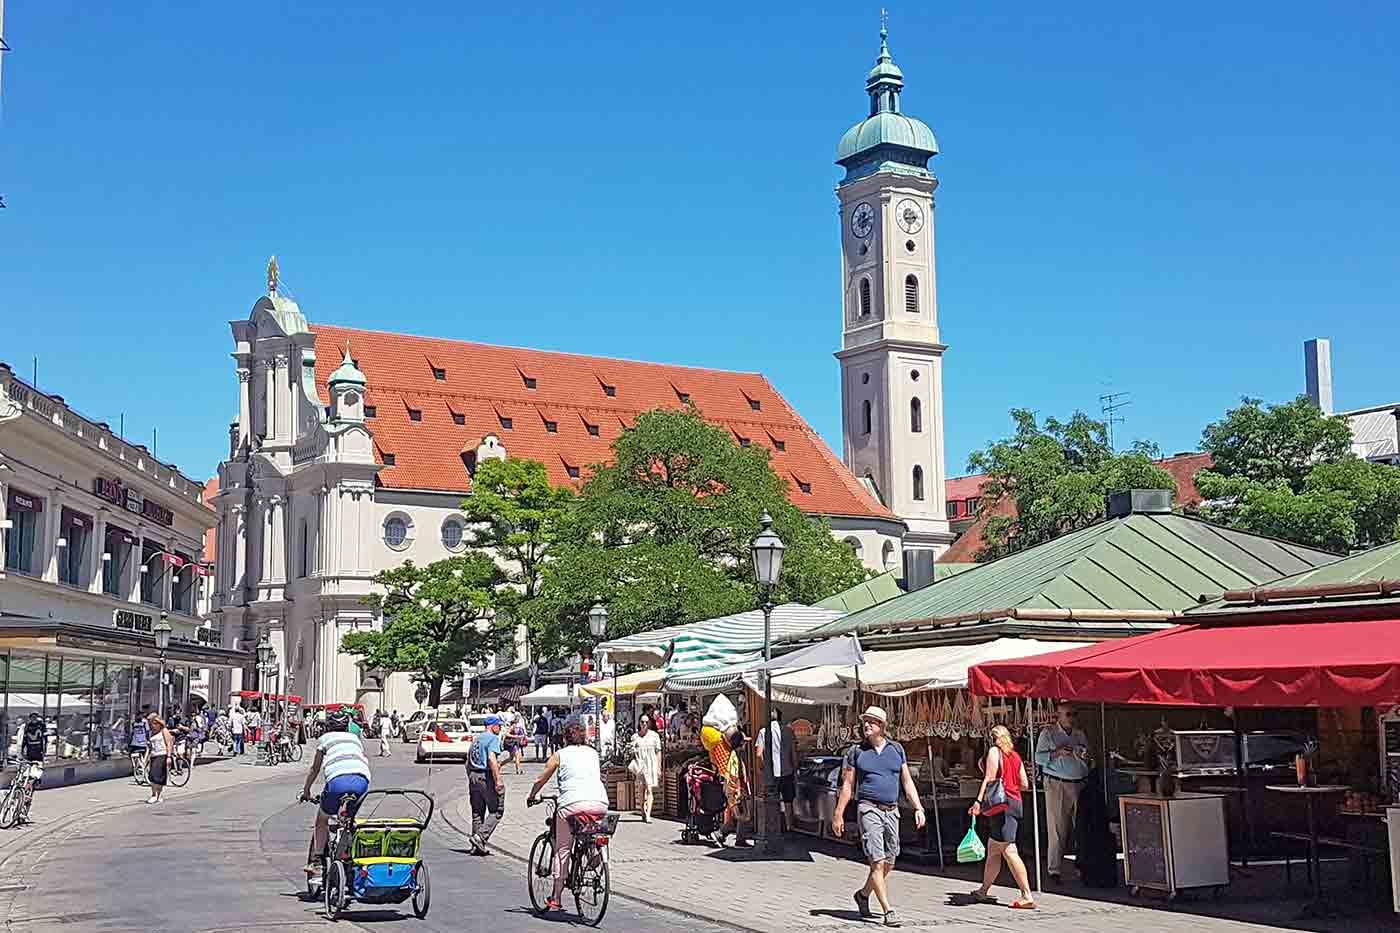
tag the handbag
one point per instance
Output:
(971, 848)
(635, 767)
(996, 790)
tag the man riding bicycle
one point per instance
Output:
(341, 756)
(35, 739)
(582, 796)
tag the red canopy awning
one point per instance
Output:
(259, 695)
(1352, 663)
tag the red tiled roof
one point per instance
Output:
(486, 383)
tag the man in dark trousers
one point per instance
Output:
(486, 786)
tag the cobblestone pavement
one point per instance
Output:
(809, 888)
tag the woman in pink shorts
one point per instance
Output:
(581, 793)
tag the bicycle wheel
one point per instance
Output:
(9, 807)
(138, 770)
(540, 870)
(337, 889)
(592, 887)
(423, 896)
(180, 771)
(296, 752)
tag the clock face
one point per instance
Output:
(862, 220)
(909, 216)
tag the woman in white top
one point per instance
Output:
(646, 753)
(341, 755)
(160, 746)
(581, 794)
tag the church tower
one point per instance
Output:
(891, 357)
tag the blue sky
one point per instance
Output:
(1163, 200)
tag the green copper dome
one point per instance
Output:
(347, 371)
(887, 140)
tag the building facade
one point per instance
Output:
(891, 356)
(101, 541)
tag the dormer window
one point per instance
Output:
(388, 459)
(591, 428)
(610, 391)
(754, 404)
(415, 414)
(371, 411)
(507, 423)
(439, 374)
(683, 396)
(573, 471)
(744, 442)
(805, 487)
(458, 418)
(530, 382)
(551, 426)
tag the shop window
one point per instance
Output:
(152, 569)
(74, 732)
(25, 513)
(76, 531)
(182, 585)
(116, 559)
(111, 707)
(27, 682)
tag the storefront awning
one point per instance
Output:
(550, 695)
(100, 641)
(627, 685)
(1349, 663)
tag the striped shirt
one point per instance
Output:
(342, 753)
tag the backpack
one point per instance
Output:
(36, 738)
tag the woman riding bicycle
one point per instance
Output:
(581, 796)
(341, 756)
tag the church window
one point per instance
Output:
(371, 411)
(865, 378)
(887, 555)
(458, 418)
(854, 545)
(415, 414)
(305, 554)
(911, 294)
(865, 416)
(395, 532)
(918, 484)
(865, 298)
(452, 533)
(909, 245)
(916, 416)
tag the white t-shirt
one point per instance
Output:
(236, 722)
(580, 780)
(386, 728)
(342, 753)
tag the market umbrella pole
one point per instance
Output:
(933, 783)
(1035, 803)
(1103, 744)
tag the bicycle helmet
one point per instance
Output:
(338, 720)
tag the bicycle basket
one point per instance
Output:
(605, 825)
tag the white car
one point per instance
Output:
(476, 723)
(414, 724)
(442, 739)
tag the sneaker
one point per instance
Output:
(152, 799)
(891, 920)
(863, 905)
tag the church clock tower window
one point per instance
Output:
(865, 298)
(911, 294)
(916, 416)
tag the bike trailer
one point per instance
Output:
(385, 858)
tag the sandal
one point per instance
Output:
(1020, 904)
(552, 904)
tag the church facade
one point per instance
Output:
(353, 449)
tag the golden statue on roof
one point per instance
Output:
(272, 276)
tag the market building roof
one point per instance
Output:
(430, 402)
(1123, 575)
(1370, 579)
(863, 595)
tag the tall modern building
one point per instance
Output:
(891, 356)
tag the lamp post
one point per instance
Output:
(767, 550)
(162, 632)
(598, 626)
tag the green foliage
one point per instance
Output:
(662, 534)
(1057, 475)
(1288, 471)
(436, 618)
(515, 514)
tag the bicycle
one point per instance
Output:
(181, 765)
(587, 877)
(140, 767)
(19, 796)
(288, 751)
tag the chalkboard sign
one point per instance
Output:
(1392, 735)
(1145, 843)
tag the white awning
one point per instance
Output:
(714, 643)
(550, 695)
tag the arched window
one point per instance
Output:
(865, 416)
(865, 298)
(916, 416)
(918, 484)
(911, 294)
(854, 545)
(887, 555)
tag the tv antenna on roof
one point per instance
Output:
(1110, 404)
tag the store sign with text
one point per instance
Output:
(129, 621)
(116, 492)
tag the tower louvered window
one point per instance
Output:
(865, 416)
(865, 298)
(916, 416)
(918, 484)
(911, 294)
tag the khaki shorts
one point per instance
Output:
(879, 832)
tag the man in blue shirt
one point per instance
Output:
(485, 785)
(875, 771)
(1060, 752)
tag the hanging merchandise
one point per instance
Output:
(959, 716)
(976, 728)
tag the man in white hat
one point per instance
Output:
(875, 771)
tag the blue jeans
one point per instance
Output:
(238, 743)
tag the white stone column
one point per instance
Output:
(167, 578)
(99, 544)
(239, 563)
(270, 400)
(53, 528)
(277, 540)
(245, 410)
(133, 583)
(282, 399)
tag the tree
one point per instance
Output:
(662, 534)
(515, 514)
(1288, 471)
(1057, 477)
(436, 618)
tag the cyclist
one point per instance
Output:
(581, 796)
(35, 739)
(341, 756)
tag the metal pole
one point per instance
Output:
(766, 722)
(1103, 743)
(933, 783)
(1035, 803)
(161, 704)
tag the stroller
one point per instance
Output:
(707, 802)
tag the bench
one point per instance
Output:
(1366, 852)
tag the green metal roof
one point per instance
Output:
(347, 371)
(943, 571)
(1157, 562)
(864, 595)
(1376, 566)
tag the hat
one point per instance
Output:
(875, 713)
(493, 720)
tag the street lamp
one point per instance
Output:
(162, 632)
(598, 625)
(767, 551)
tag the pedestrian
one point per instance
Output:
(784, 762)
(646, 764)
(237, 725)
(542, 751)
(140, 732)
(486, 785)
(397, 723)
(1003, 779)
(515, 743)
(582, 796)
(607, 734)
(874, 772)
(1060, 753)
(386, 732)
(162, 748)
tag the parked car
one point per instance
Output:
(414, 724)
(476, 723)
(443, 738)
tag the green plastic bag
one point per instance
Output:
(971, 848)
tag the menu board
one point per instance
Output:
(1392, 758)
(1145, 843)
